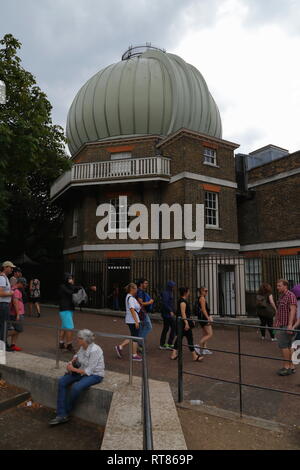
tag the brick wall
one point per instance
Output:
(272, 214)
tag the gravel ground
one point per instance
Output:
(206, 432)
(26, 428)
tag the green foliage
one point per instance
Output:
(32, 155)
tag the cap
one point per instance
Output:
(171, 284)
(22, 280)
(8, 264)
(17, 270)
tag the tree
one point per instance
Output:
(32, 156)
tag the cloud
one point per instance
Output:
(65, 41)
(247, 51)
(264, 12)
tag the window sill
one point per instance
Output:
(211, 164)
(210, 227)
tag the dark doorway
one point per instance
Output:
(227, 295)
(118, 276)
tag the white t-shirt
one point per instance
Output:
(5, 284)
(131, 302)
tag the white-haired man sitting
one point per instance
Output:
(85, 369)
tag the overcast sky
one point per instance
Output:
(247, 50)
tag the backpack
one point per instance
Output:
(261, 301)
(197, 308)
(80, 297)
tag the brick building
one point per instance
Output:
(148, 129)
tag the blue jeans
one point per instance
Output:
(145, 327)
(64, 405)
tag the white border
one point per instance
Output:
(281, 176)
(150, 246)
(269, 246)
(203, 178)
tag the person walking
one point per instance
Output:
(206, 320)
(6, 294)
(266, 309)
(184, 311)
(66, 310)
(35, 296)
(132, 319)
(87, 368)
(147, 305)
(168, 316)
(17, 311)
(285, 319)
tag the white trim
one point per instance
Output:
(220, 245)
(188, 244)
(269, 246)
(90, 183)
(203, 178)
(281, 176)
(112, 247)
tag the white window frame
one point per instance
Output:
(114, 217)
(215, 196)
(210, 156)
(120, 155)
(253, 274)
(75, 222)
(291, 270)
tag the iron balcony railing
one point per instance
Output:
(112, 169)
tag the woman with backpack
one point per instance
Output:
(35, 296)
(266, 309)
(184, 311)
(206, 320)
(66, 310)
(132, 319)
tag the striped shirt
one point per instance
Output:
(284, 308)
(91, 360)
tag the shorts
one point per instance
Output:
(34, 300)
(67, 319)
(285, 339)
(133, 330)
(18, 327)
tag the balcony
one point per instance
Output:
(113, 171)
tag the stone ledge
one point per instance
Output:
(113, 403)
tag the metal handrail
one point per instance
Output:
(181, 371)
(146, 405)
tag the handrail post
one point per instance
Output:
(147, 422)
(130, 362)
(240, 372)
(57, 349)
(180, 360)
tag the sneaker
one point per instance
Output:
(119, 352)
(8, 348)
(164, 347)
(59, 420)
(136, 357)
(293, 371)
(61, 345)
(262, 337)
(274, 339)
(284, 371)
(15, 348)
(206, 351)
